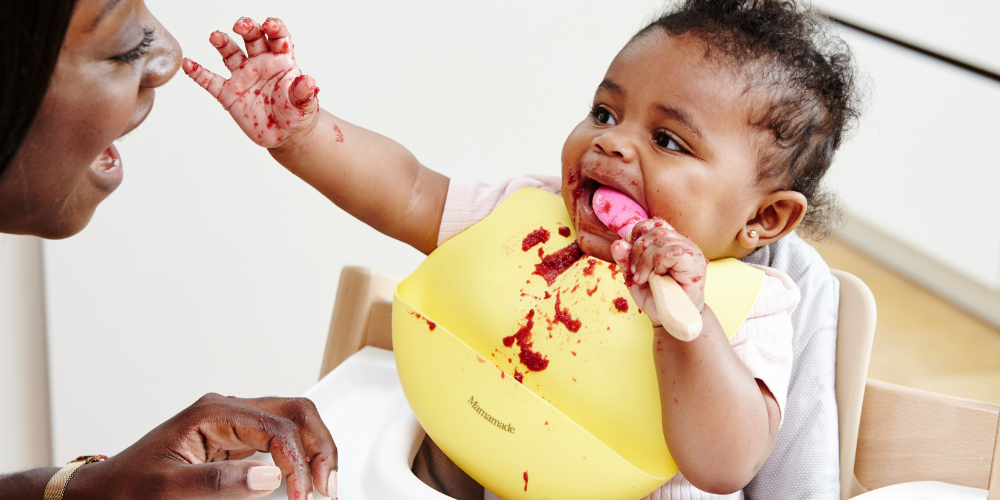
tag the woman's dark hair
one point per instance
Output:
(804, 71)
(33, 31)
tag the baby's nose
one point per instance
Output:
(615, 143)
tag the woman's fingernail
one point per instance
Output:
(264, 478)
(331, 485)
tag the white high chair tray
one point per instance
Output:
(924, 490)
(377, 435)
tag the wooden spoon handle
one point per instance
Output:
(676, 311)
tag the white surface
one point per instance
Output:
(214, 269)
(924, 490)
(923, 166)
(363, 405)
(23, 363)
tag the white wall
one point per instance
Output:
(924, 166)
(24, 376)
(962, 29)
(213, 269)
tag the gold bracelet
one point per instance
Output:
(56, 487)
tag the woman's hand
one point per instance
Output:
(267, 94)
(198, 452)
(655, 247)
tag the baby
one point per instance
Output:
(719, 119)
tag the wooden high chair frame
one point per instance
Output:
(889, 434)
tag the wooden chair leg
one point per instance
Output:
(995, 468)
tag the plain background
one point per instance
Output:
(214, 269)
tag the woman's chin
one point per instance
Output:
(106, 170)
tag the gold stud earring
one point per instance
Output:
(753, 234)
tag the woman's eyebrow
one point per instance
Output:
(104, 10)
(683, 117)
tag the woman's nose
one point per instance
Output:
(164, 58)
(616, 142)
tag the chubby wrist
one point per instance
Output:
(291, 145)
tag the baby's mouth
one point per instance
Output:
(586, 218)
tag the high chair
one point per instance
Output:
(378, 436)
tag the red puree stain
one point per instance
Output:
(540, 235)
(564, 231)
(578, 191)
(696, 279)
(340, 135)
(614, 270)
(563, 316)
(574, 288)
(531, 359)
(629, 278)
(605, 207)
(621, 304)
(525, 480)
(541, 252)
(431, 325)
(523, 334)
(616, 227)
(572, 178)
(589, 271)
(590, 293)
(518, 376)
(271, 121)
(554, 264)
(256, 91)
(573, 353)
(548, 295)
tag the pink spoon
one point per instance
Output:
(678, 314)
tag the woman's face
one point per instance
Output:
(114, 55)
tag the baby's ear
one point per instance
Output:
(778, 214)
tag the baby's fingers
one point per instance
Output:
(209, 81)
(231, 53)
(252, 35)
(620, 251)
(278, 39)
(302, 93)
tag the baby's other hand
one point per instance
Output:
(267, 94)
(655, 247)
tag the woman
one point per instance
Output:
(80, 74)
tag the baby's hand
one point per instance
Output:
(267, 94)
(655, 247)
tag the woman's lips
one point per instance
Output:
(107, 169)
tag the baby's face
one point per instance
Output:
(671, 129)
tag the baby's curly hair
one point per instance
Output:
(803, 69)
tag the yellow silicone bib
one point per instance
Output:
(539, 383)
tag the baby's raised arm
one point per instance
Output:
(368, 175)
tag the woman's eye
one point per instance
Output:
(140, 50)
(666, 141)
(603, 116)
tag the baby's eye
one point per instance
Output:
(667, 141)
(602, 115)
